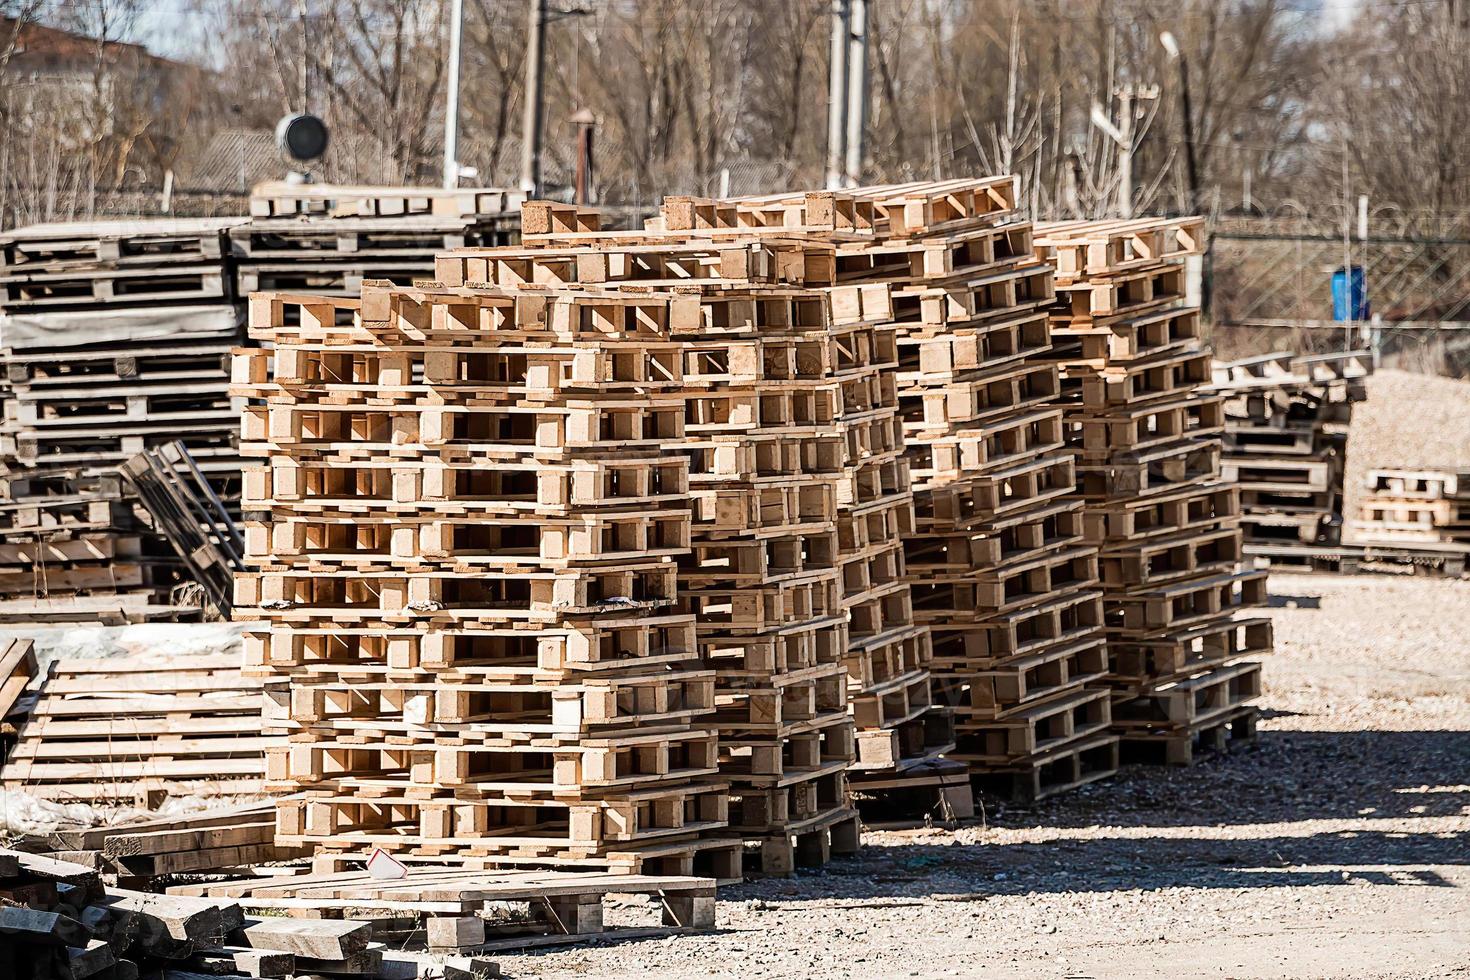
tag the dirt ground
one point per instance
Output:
(1337, 846)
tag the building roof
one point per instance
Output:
(233, 161)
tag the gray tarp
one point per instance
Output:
(20, 332)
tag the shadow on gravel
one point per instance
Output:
(1278, 601)
(1284, 776)
(958, 872)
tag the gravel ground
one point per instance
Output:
(1336, 846)
(1410, 421)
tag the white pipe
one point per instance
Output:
(857, 91)
(451, 107)
(837, 94)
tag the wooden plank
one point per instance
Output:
(189, 839)
(17, 667)
(119, 746)
(178, 917)
(48, 928)
(325, 939)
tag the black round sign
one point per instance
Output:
(302, 137)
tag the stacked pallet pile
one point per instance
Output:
(468, 509)
(1286, 428)
(995, 563)
(998, 567)
(762, 374)
(137, 730)
(327, 239)
(114, 338)
(59, 921)
(1415, 507)
(1148, 445)
(902, 731)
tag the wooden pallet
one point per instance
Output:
(556, 831)
(810, 843)
(1060, 770)
(112, 244)
(1032, 730)
(1068, 618)
(1096, 248)
(41, 371)
(504, 652)
(986, 593)
(881, 211)
(1198, 552)
(274, 199)
(1191, 508)
(525, 765)
(555, 906)
(658, 265)
(1285, 475)
(1139, 664)
(1053, 526)
(1143, 427)
(140, 728)
(1163, 470)
(347, 239)
(1001, 687)
(998, 493)
(1216, 735)
(929, 792)
(966, 459)
(1191, 702)
(161, 284)
(972, 302)
(1418, 484)
(1185, 604)
(1122, 295)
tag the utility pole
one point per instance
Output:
(531, 126)
(837, 94)
(305, 57)
(857, 91)
(451, 108)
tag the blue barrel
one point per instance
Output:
(1349, 294)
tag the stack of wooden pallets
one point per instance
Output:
(328, 239)
(901, 729)
(61, 921)
(1415, 507)
(1148, 443)
(1286, 427)
(114, 338)
(468, 509)
(760, 389)
(998, 566)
